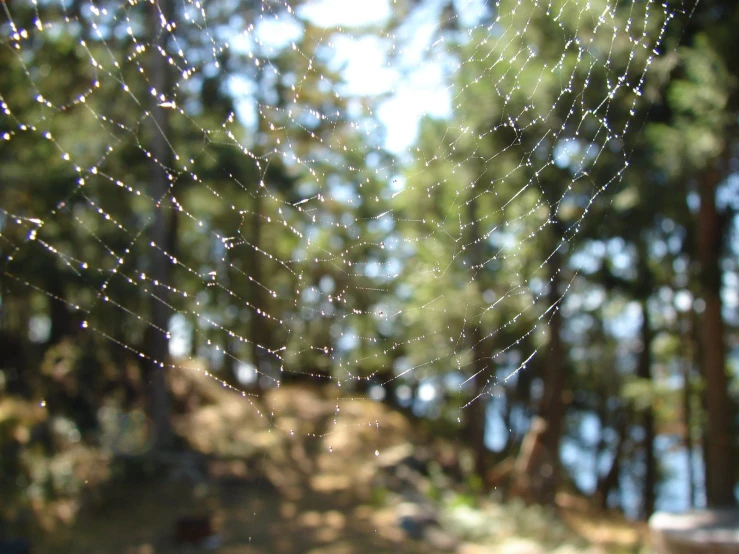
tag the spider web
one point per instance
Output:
(370, 200)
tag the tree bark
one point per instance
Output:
(61, 324)
(719, 456)
(689, 359)
(258, 325)
(158, 344)
(535, 478)
(478, 409)
(610, 480)
(644, 371)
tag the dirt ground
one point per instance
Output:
(292, 473)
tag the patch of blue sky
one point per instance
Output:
(413, 81)
(363, 61)
(342, 192)
(348, 342)
(340, 13)
(407, 72)
(278, 32)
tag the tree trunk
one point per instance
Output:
(535, 478)
(689, 359)
(158, 345)
(61, 321)
(478, 409)
(644, 371)
(258, 329)
(610, 480)
(719, 455)
(230, 361)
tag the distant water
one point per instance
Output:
(578, 456)
(673, 491)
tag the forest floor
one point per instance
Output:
(305, 470)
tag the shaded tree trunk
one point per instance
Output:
(230, 363)
(15, 353)
(608, 482)
(258, 325)
(689, 359)
(478, 409)
(61, 321)
(719, 455)
(157, 342)
(644, 371)
(537, 472)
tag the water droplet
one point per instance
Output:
(377, 452)
(330, 449)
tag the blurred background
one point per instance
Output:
(373, 276)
